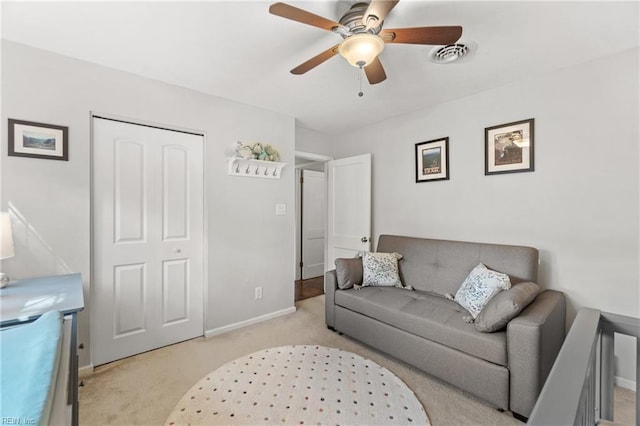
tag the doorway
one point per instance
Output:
(346, 215)
(310, 225)
(148, 237)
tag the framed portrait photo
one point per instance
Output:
(508, 148)
(432, 160)
(38, 140)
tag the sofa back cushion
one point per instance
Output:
(440, 266)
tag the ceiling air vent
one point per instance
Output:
(449, 53)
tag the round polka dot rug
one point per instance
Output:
(300, 385)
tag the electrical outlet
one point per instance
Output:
(258, 293)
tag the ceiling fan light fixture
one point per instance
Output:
(361, 49)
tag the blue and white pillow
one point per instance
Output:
(381, 270)
(479, 287)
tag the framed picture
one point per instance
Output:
(432, 160)
(508, 148)
(38, 140)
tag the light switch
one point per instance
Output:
(281, 209)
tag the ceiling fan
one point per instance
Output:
(363, 36)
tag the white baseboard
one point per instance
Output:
(625, 383)
(85, 370)
(241, 324)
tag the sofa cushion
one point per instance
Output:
(479, 287)
(439, 266)
(348, 272)
(381, 269)
(426, 315)
(505, 306)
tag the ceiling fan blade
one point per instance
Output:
(299, 15)
(377, 11)
(315, 61)
(422, 35)
(375, 72)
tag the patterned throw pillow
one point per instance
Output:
(381, 270)
(479, 287)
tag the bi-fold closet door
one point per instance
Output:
(148, 238)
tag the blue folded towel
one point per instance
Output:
(28, 368)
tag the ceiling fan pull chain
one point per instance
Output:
(360, 72)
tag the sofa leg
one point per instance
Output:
(334, 330)
(520, 417)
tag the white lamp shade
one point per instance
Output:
(361, 49)
(6, 237)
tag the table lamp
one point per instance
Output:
(6, 244)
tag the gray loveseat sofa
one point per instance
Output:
(423, 328)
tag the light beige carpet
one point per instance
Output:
(144, 389)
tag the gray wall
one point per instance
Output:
(313, 141)
(52, 198)
(579, 207)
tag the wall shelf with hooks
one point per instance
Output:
(255, 168)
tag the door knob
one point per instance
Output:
(364, 239)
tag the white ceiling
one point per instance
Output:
(237, 50)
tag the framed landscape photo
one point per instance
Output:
(508, 148)
(38, 140)
(432, 160)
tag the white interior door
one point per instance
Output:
(349, 207)
(147, 238)
(313, 223)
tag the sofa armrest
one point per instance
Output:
(331, 285)
(534, 339)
